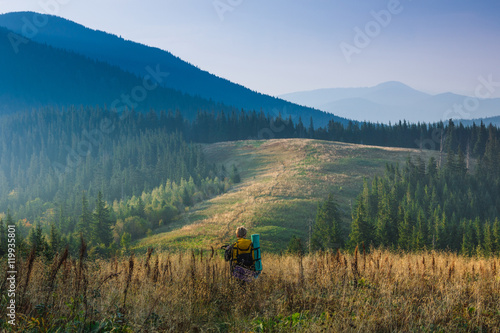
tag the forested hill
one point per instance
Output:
(54, 155)
(143, 166)
(137, 58)
(420, 206)
(50, 156)
(39, 75)
(57, 168)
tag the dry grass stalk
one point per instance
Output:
(81, 255)
(451, 270)
(325, 302)
(301, 272)
(31, 259)
(364, 257)
(148, 258)
(128, 279)
(156, 270)
(354, 266)
(53, 272)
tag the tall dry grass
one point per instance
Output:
(187, 292)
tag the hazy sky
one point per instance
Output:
(280, 46)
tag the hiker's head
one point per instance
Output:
(241, 232)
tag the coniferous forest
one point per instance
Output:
(449, 204)
(85, 169)
(420, 206)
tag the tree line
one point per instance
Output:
(50, 159)
(422, 205)
(134, 175)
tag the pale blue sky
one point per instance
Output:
(281, 46)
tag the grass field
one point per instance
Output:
(323, 292)
(282, 182)
(180, 287)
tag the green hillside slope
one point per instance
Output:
(282, 183)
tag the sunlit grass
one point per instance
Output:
(192, 291)
(282, 182)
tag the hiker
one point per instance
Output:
(241, 256)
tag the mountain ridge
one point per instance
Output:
(393, 101)
(135, 58)
(42, 76)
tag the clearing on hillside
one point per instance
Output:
(282, 182)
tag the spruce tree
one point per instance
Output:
(384, 219)
(295, 246)
(361, 229)
(496, 237)
(125, 240)
(405, 229)
(36, 239)
(85, 220)
(55, 239)
(487, 240)
(326, 231)
(101, 223)
(186, 197)
(235, 175)
(141, 208)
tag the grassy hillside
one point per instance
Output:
(282, 183)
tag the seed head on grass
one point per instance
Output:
(128, 279)
(53, 272)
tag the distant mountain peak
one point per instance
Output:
(393, 85)
(389, 101)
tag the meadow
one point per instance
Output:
(283, 180)
(379, 291)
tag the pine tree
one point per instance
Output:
(460, 164)
(235, 175)
(125, 240)
(55, 239)
(326, 231)
(310, 130)
(295, 246)
(62, 221)
(36, 239)
(384, 219)
(101, 223)
(496, 237)
(487, 240)
(84, 223)
(477, 228)
(361, 229)
(432, 167)
(467, 236)
(418, 238)
(405, 228)
(140, 209)
(186, 197)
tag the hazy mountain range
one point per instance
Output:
(394, 101)
(66, 63)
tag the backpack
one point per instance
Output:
(243, 256)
